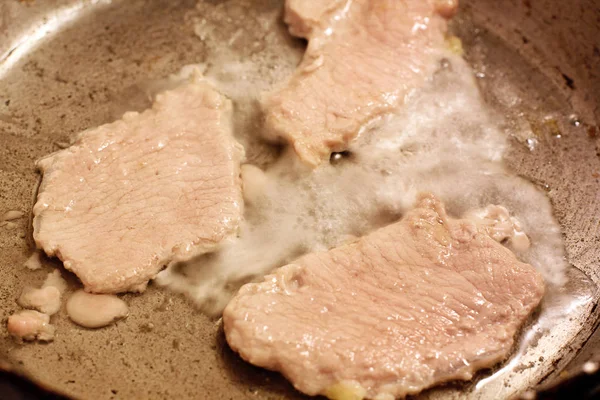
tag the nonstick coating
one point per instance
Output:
(64, 65)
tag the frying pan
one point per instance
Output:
(67, 65)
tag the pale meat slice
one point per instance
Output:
(153, 188)
(422, 301)
(363, 58)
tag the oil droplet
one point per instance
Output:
(531, 143)
(590, 367)
(574, 120)
(336, 158)
(552, 127)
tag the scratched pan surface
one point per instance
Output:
(68, 65)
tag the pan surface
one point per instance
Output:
(67, 65)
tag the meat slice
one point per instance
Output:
(363, 59)
(422, 301)
(153, 188)
(302, 16)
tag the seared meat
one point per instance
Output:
(422, 301)
(153, 188)
(363, 58)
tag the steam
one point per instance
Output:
(444, 140)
